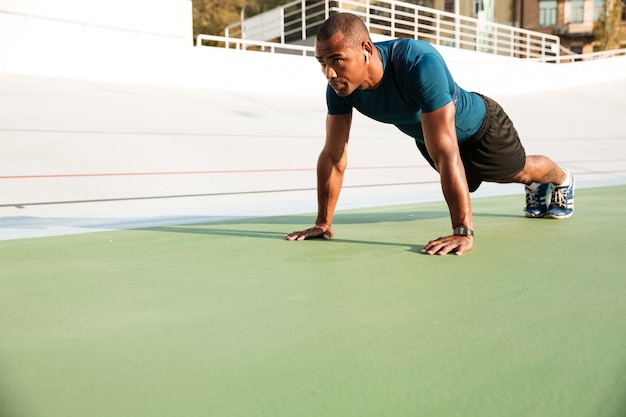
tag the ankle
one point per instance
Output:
(568, 178)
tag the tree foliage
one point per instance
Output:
(610, 33)
(210, 17)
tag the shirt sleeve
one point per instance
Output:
(336, 104)
(429, 83)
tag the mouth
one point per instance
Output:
(338, 86)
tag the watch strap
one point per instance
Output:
(462, 231)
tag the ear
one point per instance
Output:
(367, 50)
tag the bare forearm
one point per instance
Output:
(329, 182)
(441, 142)
(456, 193)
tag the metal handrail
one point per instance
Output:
(573, 57)
(395, 18)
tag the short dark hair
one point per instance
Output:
(350, 25)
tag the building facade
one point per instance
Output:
(576, 22)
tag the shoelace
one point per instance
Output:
(532, 198)
(559, 197)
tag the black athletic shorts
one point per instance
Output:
(494, 153)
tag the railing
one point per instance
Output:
(573, 57)
(299, 20)
(247, 44)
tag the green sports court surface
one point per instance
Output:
(229, 319)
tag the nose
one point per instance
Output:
(330, 73)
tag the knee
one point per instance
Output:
(522, 177)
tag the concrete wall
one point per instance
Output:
(145, 42)
(26, 24)
(498, 75)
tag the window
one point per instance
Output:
(598, 10)
(577, 11)
(547, 13)
(576, 49)
(624, 11)
(477, 6)
(448, 6)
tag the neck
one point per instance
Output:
(375, 71)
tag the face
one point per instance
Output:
(343, 65)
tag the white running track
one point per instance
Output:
(83, 155)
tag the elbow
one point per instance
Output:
(448, 163)
(329, 161)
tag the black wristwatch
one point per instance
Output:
(462, 231)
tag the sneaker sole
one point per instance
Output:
(532, 216)
(557, 217)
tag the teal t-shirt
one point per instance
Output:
(416, 79)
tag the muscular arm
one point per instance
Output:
(331, 165)
(441, 143)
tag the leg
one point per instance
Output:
(546, 181)
(539, 169)
(500, 157)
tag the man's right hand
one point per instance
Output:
(322, 231)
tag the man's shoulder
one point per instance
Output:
(404, 53)
(406, 45)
